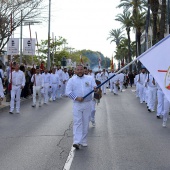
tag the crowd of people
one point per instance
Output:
(46, 86)
(148, 91)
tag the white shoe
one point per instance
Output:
(164, 124)
(141, 102)
(84, 144)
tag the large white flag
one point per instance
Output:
(157, 61)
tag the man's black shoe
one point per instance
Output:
(158, 117)
(149, 110)
(77, 146)
(10, 112)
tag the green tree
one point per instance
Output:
(116, 35)
(126, 21)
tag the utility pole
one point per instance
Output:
(21, 40)
(49, 22)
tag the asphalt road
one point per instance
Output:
(126, 137)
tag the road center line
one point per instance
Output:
(69, 159)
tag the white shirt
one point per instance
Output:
(2, 73)
(98, 77)
(80, 86)
(150, 84)
(121, 77)
(1, 89)
(141, 78)
(38, 80)
(60, 74)
(54, 79)
(18, 78)
(104, 76)
(110, 75)
(46, 78)
(65, 76)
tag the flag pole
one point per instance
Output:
(129, 64)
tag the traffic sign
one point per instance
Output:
(13, 46)
(28, 46)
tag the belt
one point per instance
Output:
(17, 85)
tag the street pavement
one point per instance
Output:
(126, 137)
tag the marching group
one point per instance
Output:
(50, 85)
(148, 91)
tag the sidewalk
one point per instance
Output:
(5, 105)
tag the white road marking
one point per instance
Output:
(69, 159)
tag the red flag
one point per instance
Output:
(81, 60)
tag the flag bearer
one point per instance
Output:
(77, 87)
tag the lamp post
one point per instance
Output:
(49, 22)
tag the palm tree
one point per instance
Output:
(154, 8)
(116, 36)
(127, 24)
(162, 21)
(136, 5)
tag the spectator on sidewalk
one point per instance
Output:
(1, 91)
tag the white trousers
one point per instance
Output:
(46, 90)
(36, 90)
(115, 89)
(111, 86)
(81, 118)
(93, 110)
(137, 89)
(151, 97)
(160, 105)
(54, 91)
(141, 93)
(166, 109)
(103, 88)
(15, 96)
(121, 86)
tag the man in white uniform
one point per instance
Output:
(116, 83)
(65, 80)
(111, 80)
(104, 77)
(59, 72)
(152, 89)
(141, 82)
(77, 87)
(121, 80)
(166, 111)
(46, 80)
(18, 83)
(160, 104)
(38, 84)
(55, 84)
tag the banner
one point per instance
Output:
(28, 46)
(157, 61)
(13, 46)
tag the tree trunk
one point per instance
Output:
(162, 22)
(139, 47)
(129, 48)
(154, 8)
